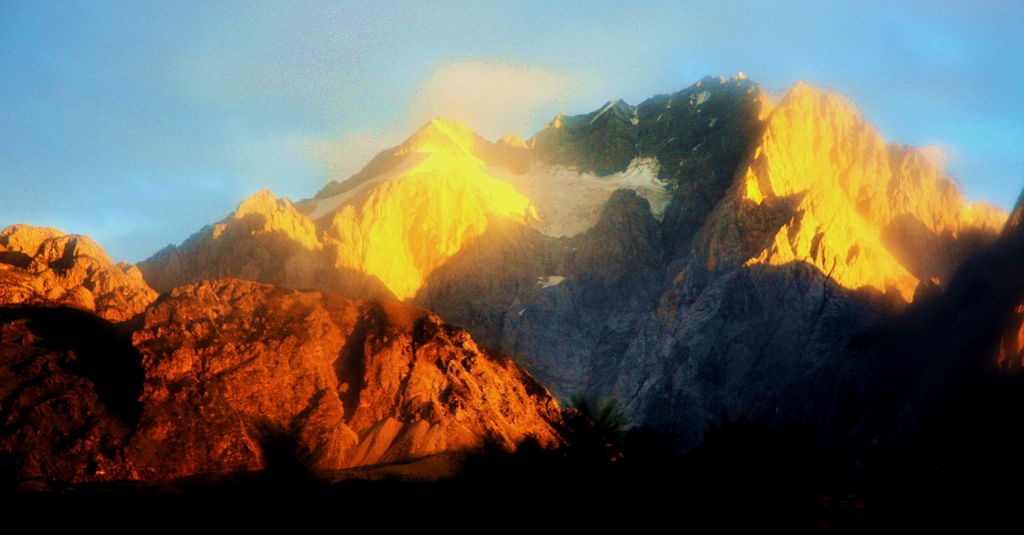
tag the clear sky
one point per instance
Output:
(139, 122)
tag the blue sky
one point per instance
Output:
(139, 122)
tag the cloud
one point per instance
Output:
(937, 155)
(493, 98)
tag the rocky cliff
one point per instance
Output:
(208, 378)
(44, 265)
(357, 382)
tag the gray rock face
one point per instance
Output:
(560, 305)
(745, 346)
(570, 309)
(574, 333)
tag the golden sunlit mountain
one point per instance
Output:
(410, 210)
(44, 265)
(708, 255)
(868, 213)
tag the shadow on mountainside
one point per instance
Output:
(92, 348)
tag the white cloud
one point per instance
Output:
(937, 155)
(494, 98)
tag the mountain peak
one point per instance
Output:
(512, 140)
(442, 135)
(42, 264)
(261, 202)
(27, 238)
(862, 207)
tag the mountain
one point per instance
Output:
(208, 378)
(45, 265)
(266, 239)
(824, 231)
(705, 251)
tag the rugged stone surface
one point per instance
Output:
(699, 136)
(267, 240)
(206, 379)
(44, 265)
(69, 384)
(359, 383)
(868, 214)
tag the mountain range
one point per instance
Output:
(707, 254)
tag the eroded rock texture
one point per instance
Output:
(44, 265)
(358, 382)
(206, 379)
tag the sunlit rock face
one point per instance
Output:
(402, 227)
(361, 383)
(409, 211)
(266, 239)
(45, 265)
(867, 213)
(212, 373)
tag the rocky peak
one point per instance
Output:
(263, 212)
(444, 136)
(266, 239)
(26, 239)
(39, 264)
(826, 189)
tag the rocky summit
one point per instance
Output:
(44, 265)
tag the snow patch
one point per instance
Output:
(549, 281)
(569, 202)
(606, 107)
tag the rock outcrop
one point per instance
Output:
(44, 265)
(870, 215)
(209, 375)
(69, 385)
(358, 382)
